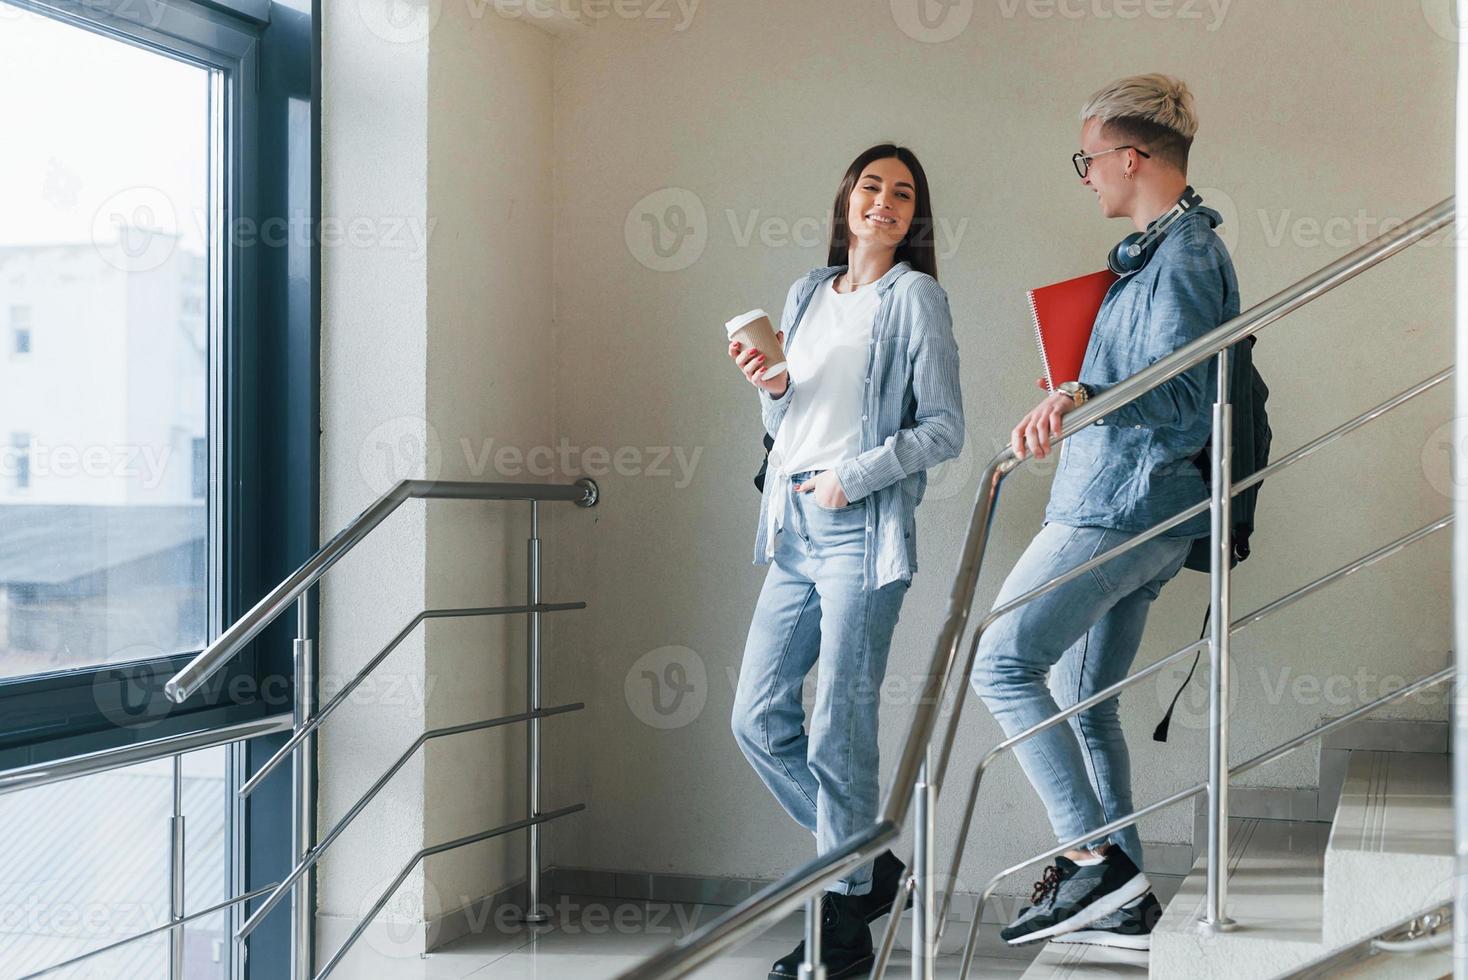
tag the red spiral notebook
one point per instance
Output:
(1064, 314)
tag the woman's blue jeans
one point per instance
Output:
(812, 609)
(1088, 630)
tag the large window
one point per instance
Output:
(158, 457)
(104, 250)
(72, 882)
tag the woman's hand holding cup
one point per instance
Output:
(752, 362)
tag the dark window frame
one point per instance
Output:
(264, 418)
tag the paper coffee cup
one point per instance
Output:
(753, 329)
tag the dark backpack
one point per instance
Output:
(759, 478)
(1251, 435)
(1248, 393)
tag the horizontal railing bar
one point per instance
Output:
(1355, 714)
(188, 680)
(174, 924)
(697, 948)
(920, 733)
(309, 859)
(121, 756)
(1283, 748)
(429, 852)
(302, 733)
(1350, 568)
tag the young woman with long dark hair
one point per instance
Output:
(869, 401)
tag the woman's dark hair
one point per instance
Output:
(917, 247)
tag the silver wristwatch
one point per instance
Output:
(1078, 392)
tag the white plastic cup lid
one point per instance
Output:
(744, 318)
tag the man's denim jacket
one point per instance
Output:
(1135, 467)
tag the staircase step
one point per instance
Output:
(1058, 961)
(1391, 847)
(1276, 877)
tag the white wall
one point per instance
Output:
(542, 318)
(1310, 112)
(437, 355)
(491, 381)
(373, 393)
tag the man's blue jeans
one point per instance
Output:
(1088, 630)
(813, 608)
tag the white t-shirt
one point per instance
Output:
(827, 361)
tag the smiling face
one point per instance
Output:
(882, 204)
(1107, 173)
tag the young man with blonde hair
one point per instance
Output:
(1116, 478)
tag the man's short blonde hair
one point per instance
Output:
(1155, 111)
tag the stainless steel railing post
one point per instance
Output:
(533, 911)
(176, 875)
(303, 793)
(924, 931)
(1215, 916)
(812, 968)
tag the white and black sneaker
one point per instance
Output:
(1129, 927)
(1070, 896)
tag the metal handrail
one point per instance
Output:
(315, 853)
(457, 842)
(1269, 755)
(173, 924)
(284, 752)
(785, 894)
(1257, 477)
(118, 757)
(1263, 612)
(182, 685)
(121, 756)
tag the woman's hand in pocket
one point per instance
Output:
(752, 363)
(827, 489)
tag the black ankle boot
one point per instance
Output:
(886, 883)
(846, 942)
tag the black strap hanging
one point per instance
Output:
(1159, 734)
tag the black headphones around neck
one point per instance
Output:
(1134, 250)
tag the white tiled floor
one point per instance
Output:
(599, 938)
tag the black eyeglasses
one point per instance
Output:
(1082, 161)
